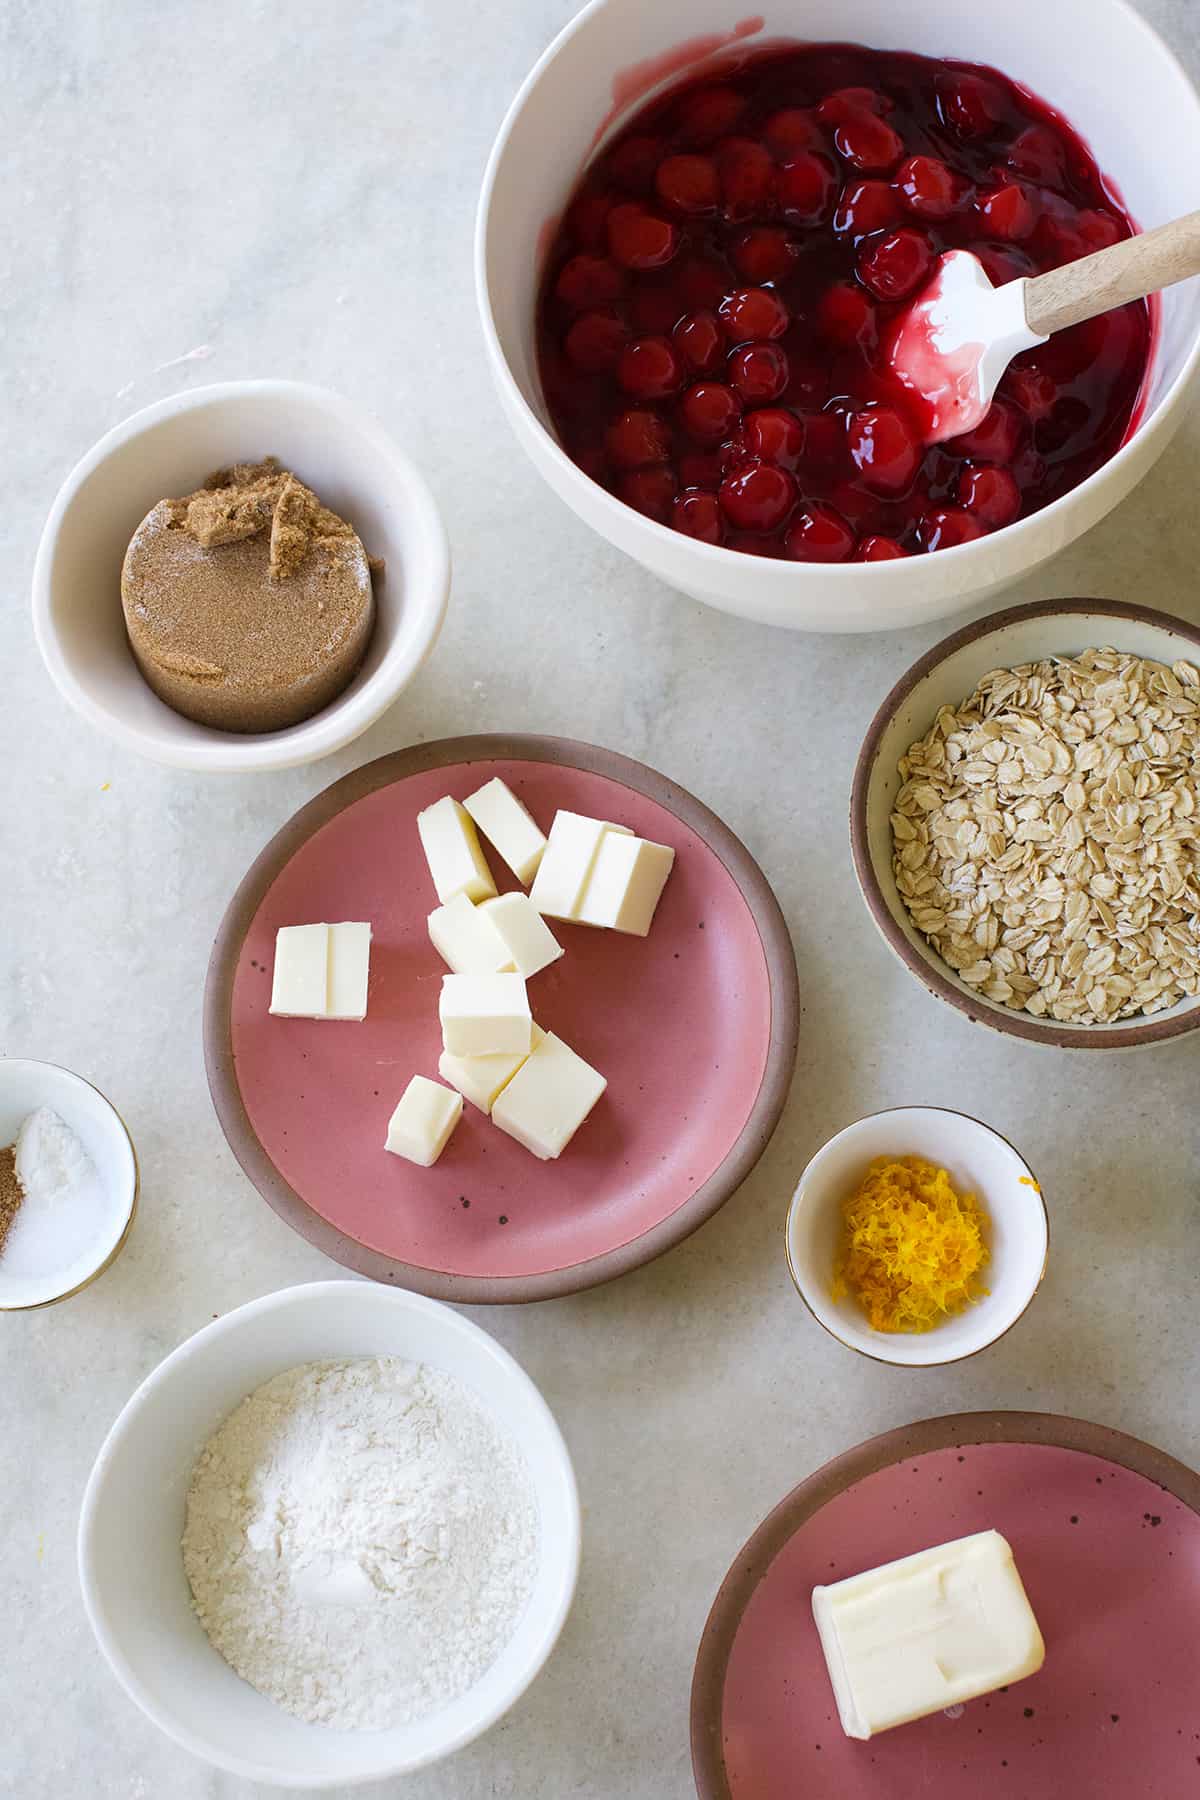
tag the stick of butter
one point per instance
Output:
(451, 847)
(480, 1079)
(467, 941)
(321, 971)
(508, 827)
(485, 1015)
(929, 1631)
(548, 1098)
(421, 1126)
(530, 944)
(570, 853)
(626, 884)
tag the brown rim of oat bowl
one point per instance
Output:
(1175, 903)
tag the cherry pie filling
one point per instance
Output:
(717, 298)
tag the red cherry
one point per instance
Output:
(1033, 391)
(846, 317)
(588, 281)
(884, 450)
(747, 179)
(791, 130)
(773, 434)
(688, 184)
(759, 372)
(698, 515)
(847, 102)
(765, 253)
(947, 526)
(868, 142)
(595, 342)
(896, 265)
(707, 114)
(879, 549)
(1007, 212)
(700, 341)
(806, 188)
(758, 497)
(710, 411)
(930, 189)
(1038, 155)
(639, 239)
(753, 313)
(632, 162)
(587, 221)
(650, 369)
(701, 469)
(637, 438)
(991, 494)
(865, 206)
(654, 308)
(651, 491)
(819, 534)
(1099, 229)
(995, 438)
(970, 105)
(700, 282)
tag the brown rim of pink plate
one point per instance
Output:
(692, 1212)
(953, 1431)
(930, 972)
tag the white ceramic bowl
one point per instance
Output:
(24, 1087)
(946, 674)
(979, 1161)
(168, 449)
(131, 1566)
(1096, 60)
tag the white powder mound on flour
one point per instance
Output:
(361, 1541)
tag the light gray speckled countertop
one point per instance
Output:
(294, 188)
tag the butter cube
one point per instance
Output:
(485, 1015)
(570, 853)
(300, 983)
(481, 1078)
(625, 884)
(420, 1127)
(548, 1099)
(466, 939)
(349, 971)
(530, 943)
(508, 827)
(452, 851)
(926, 1632)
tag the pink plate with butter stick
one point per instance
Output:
(1105, 1531)
(694, 1027)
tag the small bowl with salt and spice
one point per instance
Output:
(68, 1184)
(239, 578)
(1025, 823)
(917, 1236)
(332, 1538)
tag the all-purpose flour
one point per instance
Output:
(361, 1540)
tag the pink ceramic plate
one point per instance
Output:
(1106, 1534)
(694, 1026)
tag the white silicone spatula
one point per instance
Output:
(957, 339)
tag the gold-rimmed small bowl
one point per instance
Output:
(978, 1161)
(29, 1279)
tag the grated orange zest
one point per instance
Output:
(911, 1248)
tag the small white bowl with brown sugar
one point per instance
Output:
(1025, 823)
(168, 452)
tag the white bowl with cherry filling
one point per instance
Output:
(1075, 57)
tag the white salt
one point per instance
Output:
(65, 1209)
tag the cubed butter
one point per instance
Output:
(926, 1632)
(451, 847)
(530, 943)
(548, 1098)
(420, 1127)
(466, 939)
(349, 970)
(480, 1079)
(509, 828)
(626, 883)
(485, 1015)
(300, 984)
(570, 853)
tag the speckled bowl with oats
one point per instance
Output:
(1025, 823)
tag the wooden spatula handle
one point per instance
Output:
(1126, 271)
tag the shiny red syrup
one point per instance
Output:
(716, 298)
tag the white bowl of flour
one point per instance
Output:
(332, 1538)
